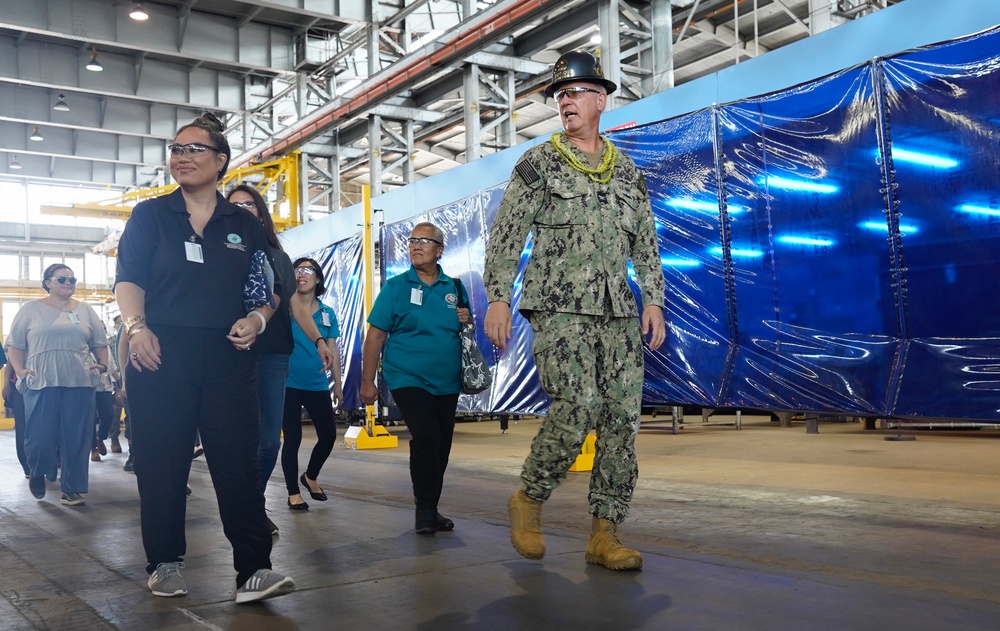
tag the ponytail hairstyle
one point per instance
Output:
(211, 123)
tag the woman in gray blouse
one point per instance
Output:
(52, 345)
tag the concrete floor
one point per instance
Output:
(764, 528)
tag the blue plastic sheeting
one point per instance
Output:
(342, 275)
(830, 247)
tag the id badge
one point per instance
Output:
(326, 319)
(73, 318)
(417, 296)
(193, 251)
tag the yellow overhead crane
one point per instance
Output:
(281, 173)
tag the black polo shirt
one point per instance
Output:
(277, 338)
(180, 292)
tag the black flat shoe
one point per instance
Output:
(319, 497)
(302, 506)
(443, 524)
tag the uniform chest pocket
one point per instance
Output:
(629, 203)
(567, 207)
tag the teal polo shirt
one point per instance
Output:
(423, 349)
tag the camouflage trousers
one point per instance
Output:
(592, 368)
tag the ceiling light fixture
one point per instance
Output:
(61, 105)
(14, 164)
(138, 13)
(93, 65)
(36, 135)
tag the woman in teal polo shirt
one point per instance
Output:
(308, 386)
(416, 320)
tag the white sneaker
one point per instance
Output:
(264, 584)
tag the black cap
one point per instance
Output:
(578, 66)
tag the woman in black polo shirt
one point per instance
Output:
(192, 288)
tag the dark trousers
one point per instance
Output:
(105, 404)
(203, 385)
(272, 373)
(320, 408)
(431, 421)
(58, 433)
(16, 403)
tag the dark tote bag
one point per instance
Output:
(476, 375)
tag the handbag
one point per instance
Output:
(476, 375)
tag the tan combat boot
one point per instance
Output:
(526, 526)
(605, 549)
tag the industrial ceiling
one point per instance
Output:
(380, 92)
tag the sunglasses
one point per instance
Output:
(422, 241)
(573, 93)
(190, 149)
(246, 205)
(62, 280)
(305, 271)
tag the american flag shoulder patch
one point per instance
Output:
(527, 172)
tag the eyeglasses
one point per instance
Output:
(305, 271)
(190, 149)
(573, 93)
(422, 241)
(62, 280)
(246, 205)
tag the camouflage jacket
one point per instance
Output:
(584, 235)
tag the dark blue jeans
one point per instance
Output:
(59, 432)
(272, 372)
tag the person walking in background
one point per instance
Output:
(308, 386)
(416, 319)
(14, 401)
(104, 408)
(587, 206)
(274, 346)
(52, 347)
(116, 427)
(192, 286)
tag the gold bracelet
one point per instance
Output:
(136, 329)
(132, 321)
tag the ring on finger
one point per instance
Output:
(135, 355)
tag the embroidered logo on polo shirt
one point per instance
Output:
(452, 300)
(235, 242)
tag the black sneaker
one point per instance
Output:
(272, 526)
(129, 463)
(37, 486)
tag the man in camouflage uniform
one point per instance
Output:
(589, 211)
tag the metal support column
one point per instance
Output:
(473, 137)
(303, 185)
(628, 54)
(661, 16)
(375, 154)
(610, 50)
(490, 94)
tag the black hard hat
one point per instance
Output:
(578, 66)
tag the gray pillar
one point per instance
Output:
(607, 21)
(375, 154)
(303, 185)
(663, 47)
(473, 136)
